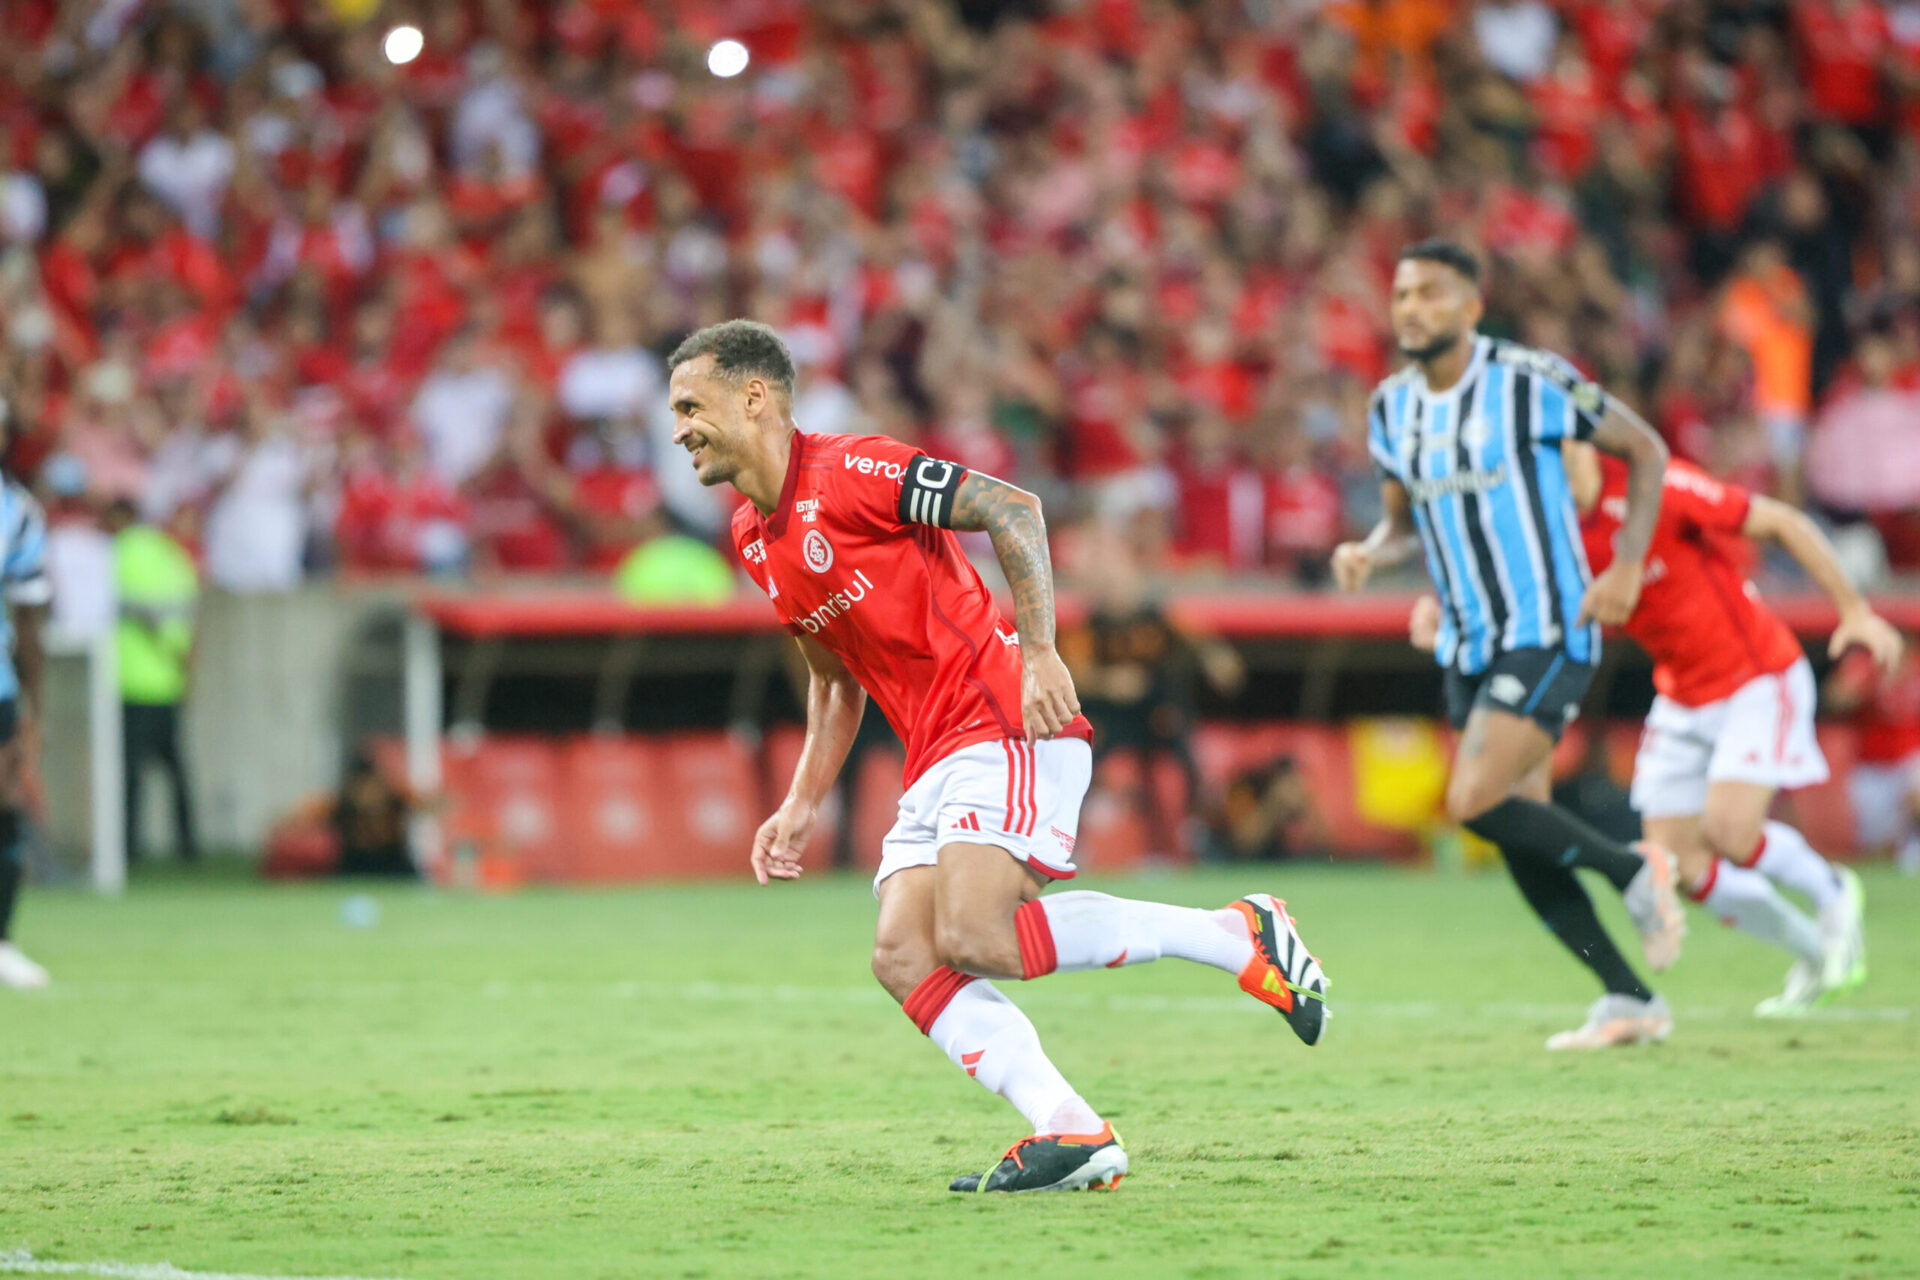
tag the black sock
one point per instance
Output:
(1550, 834)
(1556, 897)
(11, 872)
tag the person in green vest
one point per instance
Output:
(674, 569)
(157, 588)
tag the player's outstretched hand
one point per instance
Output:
(1423, 628)
(1048, 703)
(1351, 565)
(1871, 632)
(1611, 597)
(778, 842)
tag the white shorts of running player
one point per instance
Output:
(1762, 733)
(1023, 797)
(1883, 798)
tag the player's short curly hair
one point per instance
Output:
(1447, 254)
(740, 349)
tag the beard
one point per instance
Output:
(715, 468)
(1433, 348)
(716, 471)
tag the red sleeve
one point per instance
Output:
(869, 473)
(1697, 499)
(748, 546)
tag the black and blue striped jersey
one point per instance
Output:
(23, 569)
(1481, 464)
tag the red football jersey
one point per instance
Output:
(1699, 618)
(895, 599)
(1889, 719)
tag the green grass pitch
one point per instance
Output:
(704, 1082)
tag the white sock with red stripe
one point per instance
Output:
(1079, 930)
(1747, 901)
(987, 1036)
(1785, 857)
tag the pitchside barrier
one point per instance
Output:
(612, 805)
(79, 817)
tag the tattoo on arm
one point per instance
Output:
(1011, 517)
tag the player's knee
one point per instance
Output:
(1468, 797)
(1695, 861)
(963, 946)
(900, 967)
(1732, 835)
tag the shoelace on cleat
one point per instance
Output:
(1288, 917)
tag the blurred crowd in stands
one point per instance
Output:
(317, 313)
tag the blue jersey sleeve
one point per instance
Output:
(1571, 404)
(24, 571)
(1378, 443)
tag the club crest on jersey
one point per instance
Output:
(808, 509)
(818, 551)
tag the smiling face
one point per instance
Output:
(714, 419)
(1433, 308)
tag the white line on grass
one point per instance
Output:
(783, 993)
(1399, 1010)
(22, 1262)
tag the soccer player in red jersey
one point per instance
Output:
(1733, 719)
(1885, 782)
(850, 537)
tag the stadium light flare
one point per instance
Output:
(403, 45)
(727, 59)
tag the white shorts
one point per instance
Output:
(1883, 800)
(1023, 797)
(1762, 734)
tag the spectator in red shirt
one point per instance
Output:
(395, 513)
(606, 505)
(1303, 507)
(1843, 46)
(1221, 507)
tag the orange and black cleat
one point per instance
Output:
(1282, 972)
(1054, 1162)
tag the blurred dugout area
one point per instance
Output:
(582, 741)
(586, 808)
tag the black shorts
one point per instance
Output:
(1544, 685)
(9, 720)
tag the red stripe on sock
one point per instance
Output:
(926, 1002)
(1753, 859)
(1706, 886)
(1035, 935)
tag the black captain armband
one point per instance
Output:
(926, 493)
